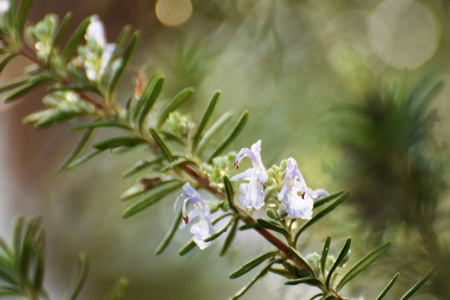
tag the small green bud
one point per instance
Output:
(283, 165)
(314, 261)
(178, 125)
(272, 213)
(213, 207)
(282, 213)
(225, 206)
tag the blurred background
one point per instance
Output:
(356, 91)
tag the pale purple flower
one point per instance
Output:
(198, 209)
(296, 196)
(252, 193)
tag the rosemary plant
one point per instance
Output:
(22, 266)
(81, 76)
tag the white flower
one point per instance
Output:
(98, 52)
(96, 31)
(203, 228)
(296, 196)
(4, 7)
(252, 193)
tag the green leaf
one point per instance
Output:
(120, 43)
(174, 164)
(187, 248)
(388, 287)
(226, 215)
(80, 277)
(153, 197)
(252, 264)
(230, 238)
(162, 145)
(13, 84)
(282, 272)
(173, 104)
(83, 159)
(302, 260)
(141, 165)
(250, 226)
(253, 281)
(78, 147)
(418, 285)
(39, 115)
(76, 38)
(170, 137)
(22, 14)
(74, 87)
(4, 246)
(230, 138)
(31, 84)
(363, 264)
(11, 18)
(7, 276)
(324, 256)
(327, 199)
(212, 131)
(107, 123)
(6, 61)
(339, 260)
(62, 29)
(229, 192)
(17, 239)
(272, 226)
(125, 59)
(37, 278)
(148, 98)
(56, 117)
(220, 232)
(119, 290)
(322, 214)
(308, 280)
(123, 141)
(317, 296)
(204, 120)
(27, 245)
(173, 229)
(144, 185)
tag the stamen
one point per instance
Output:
(303, 195)
(186, 219)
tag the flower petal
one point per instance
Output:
(200, 231)
(243, 176)
(96, 31)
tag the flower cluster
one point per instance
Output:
(295, 198)
(97, 53)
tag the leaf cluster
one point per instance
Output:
(22, 265)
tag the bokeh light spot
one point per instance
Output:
(173, 12)
(403, 33)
